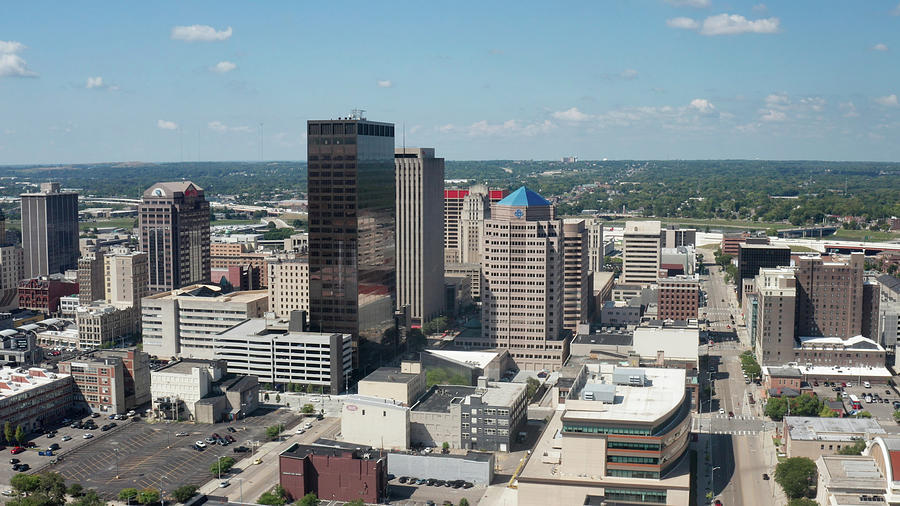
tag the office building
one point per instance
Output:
(871, 309)
(640, 252)
(829, 296)
(673, 237)
(91, 284)
(110, 381)
(812, 437)
(19, 347)
(731, 242)
(297, 243)
(225, 256)
(174, 232)
(523, 276)
(334, 472)
(477, 210)
(35, 398)
(577, 286)
(360, 414)
(288, 284)
(12, 270)
(176, 387)
(43, 293)
(49, 231)
(127, 277)
(679, 298)
(888, 310)
(184, 322)
(776, 289)
(280, 352)
(102, 325)
(753, 257)
(352, 264)
(420, 232)
(620, 435)
(403, 385)
(680, 261)
(596, 248)
(667, 343)
(470, 271)
(851, 480)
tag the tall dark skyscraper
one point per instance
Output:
(49, 230)
(352, 271)
(174, 227)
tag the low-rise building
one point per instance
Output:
(34, 398)
(467, 364)
(603, 343)
(43, 293)
(621, 436)
(19, 348)
(101, 324)
(679, 298)
(376, 422)
(856, 351)
(667, 342)
(474, 467)
(334, 472)
(618, 313)
(232, 399)
(68, 305)
(110, 381)
(885, 450)
(849, 480)
(177, 387)
(279, 352)
(812, 437)
(404, 384)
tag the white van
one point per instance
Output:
(867, 384)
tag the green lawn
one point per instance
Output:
(105, 223)
(234, 222)
(863, 235)
(701, 224)
(802, 249)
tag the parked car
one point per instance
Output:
(241, 449)
(181, 434)
(53, 447)
(403, 479)
(200, 444)
(87, 435)
(13, 461)
(66, 438)
(17, 450)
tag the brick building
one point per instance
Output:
(225, 256)
(34, 398)
(110, 381)
(679, 298)
(334, 472)
(43, 293)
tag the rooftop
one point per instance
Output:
(168, 189)
(376, 402)
(784, 372)
(212, 293)
(300, 451)
(439, 398)
(523, 197)
(186, 365)
(662, 391)
(643, 227)
(856, 342)
(851, 472)
(479, 359)
(623, 338)
(808, 428)
(14, 381)
(390, 375)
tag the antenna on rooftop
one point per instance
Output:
(358, 114)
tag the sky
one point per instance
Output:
(84, 82)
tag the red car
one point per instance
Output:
(17, 450)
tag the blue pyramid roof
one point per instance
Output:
(523, 197)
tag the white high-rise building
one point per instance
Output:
(641, 251)
(288, 284)
(420, 233)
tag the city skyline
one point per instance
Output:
(699, 79)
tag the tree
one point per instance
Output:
(309, 499)
(308, 409)
(20, 434)
(25, 483)
(89, 498)
(802, 501)
(274, 431)
(8, 432)
(275, 497)
(854, 449)
(897, 416)
(277, 398)
(148, 496)
(531, 386)
(436, 325)
(806, 405)
(221, 465)
(827, 412)
(355, 502)
(463, 502)
(75, 490)
(776, 408)
(54, 486)
(864, 414)
(795, 475)
(184, 492)
(128, 494)
(445, 446)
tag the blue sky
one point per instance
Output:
(114, 81)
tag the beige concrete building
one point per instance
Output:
(619, 436)
(177, 387)
(596, 249)
(91, 285)
(375, 422)
(640, 252)
(850, 480)
(127, 277)
(523, 275)
(777, 294)
(404, 385)
(12, 269)
(577, 283)
(476, 208)
(184, 322)
(288, 284)
(454, 202)
(297, 243)
(101, 324)
(420, 235)
(471, 271)
(812, 437)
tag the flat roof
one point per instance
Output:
(502, 394)
(642, 227)
(479, 359)
(784, 372)
(210, 293)
(856, 342)
(375, 402)
(809, 428)
(663, 392)
(390, 375)
(439, 397)
(853, 472)
(605, 339)
(16, 380)
(185, 365)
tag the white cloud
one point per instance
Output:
(880, 47)
(733, 24)
(629, 74)
(777, 100)
(484, 128)
(11, 63)
(200, 33)
(384, 84)
(94, 82)
(772, 115)
(817, 104)
(572, 114)
(850, 110)
(690, 3)
(683, 23)
(223, 67)
(166, 125)
(888, 101)
(218, 126)
(702, 105)
(445, 129)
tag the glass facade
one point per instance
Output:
(635, 495)
(351, 227)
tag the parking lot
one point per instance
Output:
(881, 411)
(151, 455)
(419, 495)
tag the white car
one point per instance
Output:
(224, 483)
(87, 435)
(307, 426)
(131, 413)
(181, 434)
(66, 438)
(200, 444)
(300, 430)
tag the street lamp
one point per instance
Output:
(241, 480)
(219, 466)
(713, 478)
(116, 449)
